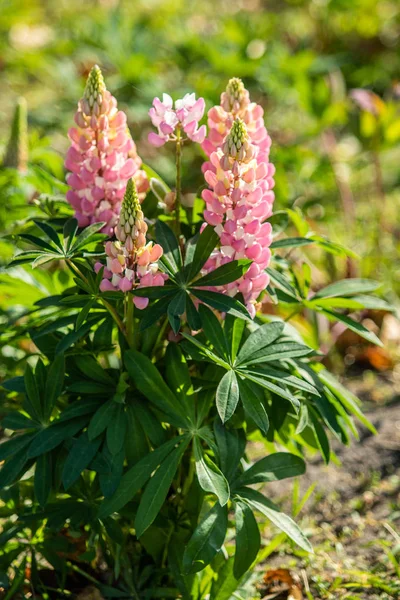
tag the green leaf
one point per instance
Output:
(33, 402)
(149, 423)
(204, 351)
(276, 389)
(17, 420)
(248, 539)
(101, 419)
(89, 366)
(222, 302)
(136, 477)
(54, 384)
(206, 540)
(227, 273)
(280, 351)
(261, 338)
(349, 400)
(210, 477)
(37, 242)
(167, 239)
(43, 478)
(290, 242)
(50, 232)
(205, 245)
(192, 316)
(149, 381)
(231, 445)
(178, 377)
(72, 337)
(11, 470)
(259, 502)
(157, 488)
(153, 313)
(69, 231)
(274, 467)
(80, 408)
(253, 405)
(213, 331)
(82, 316)
(81, 454)
(233, 331)
(227, 396)
(224, 586)
(353, 326)
(14, 445)
(282, 376)
(116, 430)
(176, 308)
(85, 237)
(320, 436)
(53, 436)
(282, 282)
(348, 287)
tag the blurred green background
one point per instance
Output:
(337, 157)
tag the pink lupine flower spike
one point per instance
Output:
(101, 158)
(240, 197)
(131, 262)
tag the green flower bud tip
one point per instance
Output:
(237, 136)
(235, 89)
(17, 149)
(95, 87)
(130, 209)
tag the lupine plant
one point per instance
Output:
(168, 353)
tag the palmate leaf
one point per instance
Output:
(260, 338)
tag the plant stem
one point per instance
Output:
(77, 271)
(130, 324)
(160, 335)
(114, 315)
(178, 190)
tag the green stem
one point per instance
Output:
(130, 324)
(178, 190)
(160, 335)
(77, 271)
(106, 305)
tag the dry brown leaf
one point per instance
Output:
(280, 581)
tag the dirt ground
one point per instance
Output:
(352, 518)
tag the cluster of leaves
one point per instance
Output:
(138, 446)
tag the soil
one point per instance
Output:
(353, 518)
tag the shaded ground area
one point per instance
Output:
(353, 519)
